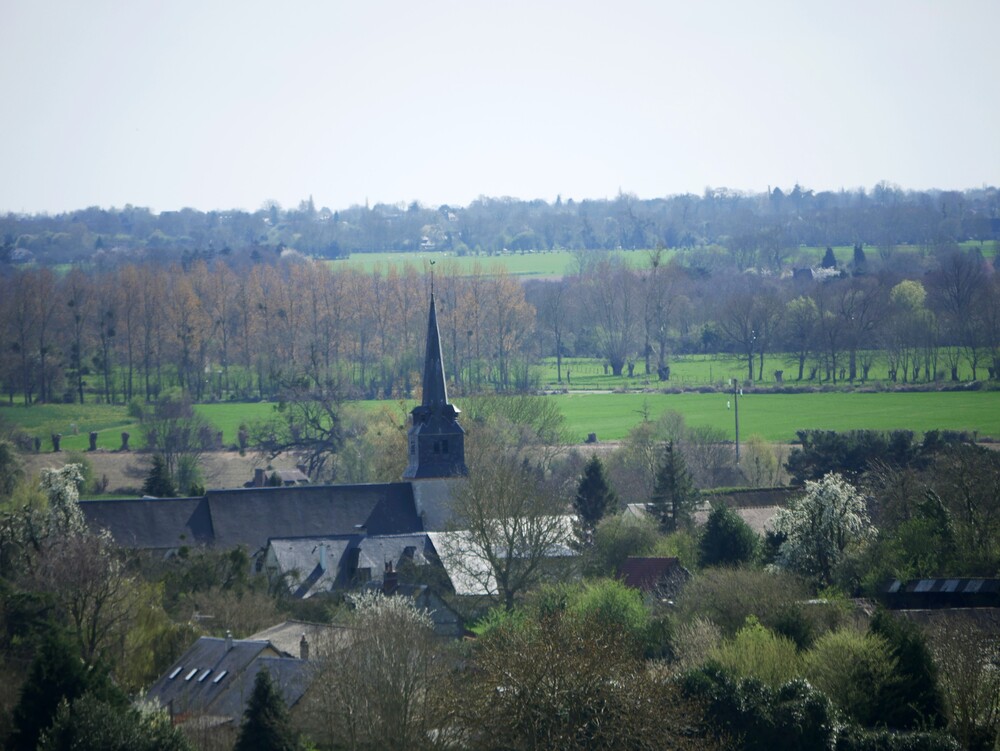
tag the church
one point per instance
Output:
(357, 517)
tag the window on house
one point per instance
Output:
(220, 676)
(190, 675)
(204, 675)
(176, 671)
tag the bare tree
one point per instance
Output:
(380, 682)
(506, 525)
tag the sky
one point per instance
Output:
(226, 105)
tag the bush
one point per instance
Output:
(794, 717)
(726, 596)
(859, 739)
(756, 652)
(855, 670)
(615, 539)
(727, 540)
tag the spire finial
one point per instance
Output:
(432, 276)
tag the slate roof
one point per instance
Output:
(286, 636)
(196, 681)
(433, 499)
(253, 515)
(159, 523)
(250, 516)
(300, 559)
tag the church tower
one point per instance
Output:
(435, 441)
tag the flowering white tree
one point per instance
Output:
(821, 526)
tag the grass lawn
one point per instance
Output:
(611, 416)
(778, 416)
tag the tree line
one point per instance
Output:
(756, 228)
(216, 330)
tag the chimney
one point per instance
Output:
(303, 648)
(390, 580)
(259, 479)
(229, 640)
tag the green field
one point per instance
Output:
(778, 416)
(610, 416)
(561, 262)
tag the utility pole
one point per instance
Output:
(736, 411)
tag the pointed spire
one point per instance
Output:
(435, 386)
(435, 440)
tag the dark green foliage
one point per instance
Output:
(159, 483)
(56, 674)
(266, 724)
(792, 622)
(91, 723)
(859, 258)
(793, 717)
(674, 494)
(727, 540)
(857, 739)
(829, 259)
(851, 453)
(594, 497)
(914, 699)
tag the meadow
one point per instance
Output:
(610, 415)
(556, 263)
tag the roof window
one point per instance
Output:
(220, 676)
(204, 675)
(190, 675)
(178, 669)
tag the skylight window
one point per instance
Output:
(204, 675)
(176, 671)
(190, 675)
(220, 676)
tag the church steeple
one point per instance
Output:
(435, 440)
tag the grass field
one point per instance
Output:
(561, 262)
(610, 416)
(778, 416)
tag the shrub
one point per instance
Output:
(757, 652)
(727, 540)
(726, 596)
(855, 670)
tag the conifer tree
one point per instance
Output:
(159, 483)
(674, 494)
(594, 498)
(266, 724)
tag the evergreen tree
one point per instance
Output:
(727, 539)
(829, 259)
(859, 258)
(914, 700)
(159, 483)
(266, 724)
(594, 498)
(57, 673)
(674, 494)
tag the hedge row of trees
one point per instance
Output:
(218, 332)
(757, 228)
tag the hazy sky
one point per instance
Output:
(219, 105)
